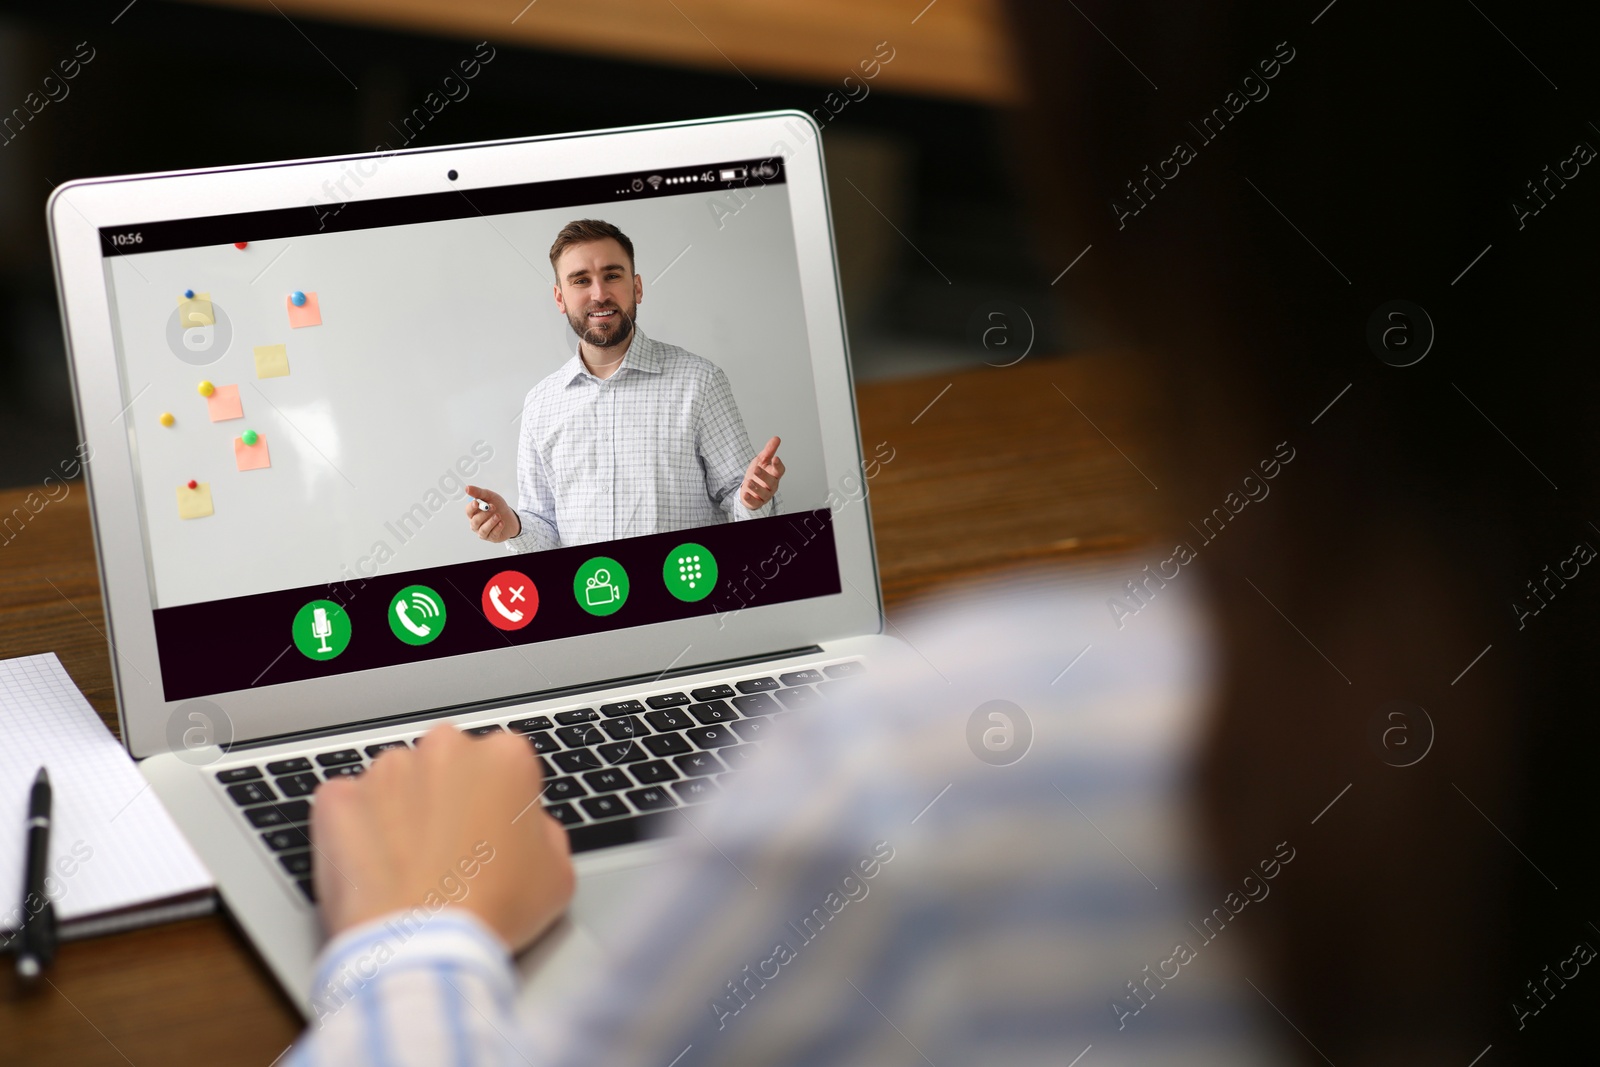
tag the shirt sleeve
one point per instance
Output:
(400, 990)
(725, 450)
(536, 501)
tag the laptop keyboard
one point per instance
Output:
(611, 771)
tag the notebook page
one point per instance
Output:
(112, 844)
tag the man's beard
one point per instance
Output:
(589, 335)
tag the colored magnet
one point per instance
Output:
(205, 388)
(307, 314)
(240, 244)
(224, 404)
(297, 298)
(194, 309)
(194, 500)
(167, 419)
(250, 452)
(272, 361)
(193, 484)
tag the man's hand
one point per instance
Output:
(456, 817)
(761, 477)
(499, 523)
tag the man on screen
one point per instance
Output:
(631, 436)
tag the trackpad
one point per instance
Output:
(574, 949)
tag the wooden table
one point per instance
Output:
(990, 469)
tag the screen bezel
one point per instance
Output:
(150, 724)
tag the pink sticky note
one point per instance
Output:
(251, 457)
(308, 315)
(223, 404)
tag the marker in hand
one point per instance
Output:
(761, 477)
(490, 517)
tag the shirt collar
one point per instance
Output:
(644, 355)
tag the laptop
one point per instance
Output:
(288, 374)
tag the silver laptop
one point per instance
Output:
(287, 375)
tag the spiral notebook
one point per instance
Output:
(116, 859)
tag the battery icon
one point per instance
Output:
(731, 174)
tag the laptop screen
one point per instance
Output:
(311, 391)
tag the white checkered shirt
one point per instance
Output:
(658, 446)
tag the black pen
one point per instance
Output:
(36, 940)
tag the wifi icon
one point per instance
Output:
(417, 615)
(654, 180)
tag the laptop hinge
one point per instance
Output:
(522, 698)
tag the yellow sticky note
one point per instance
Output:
(194, 503)
(272, 361)
(223, 404)
(308, 314)
(252, 457)
(196, 311)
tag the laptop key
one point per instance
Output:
(695, 790)
(484, 731)
(608, 781)
(307, 889)
(726, 781)
(251, 793)
(739, 756)
(622, 752)
(348, 770)
(545, 770)
(713, 711)
(296, 862)
(622, 707)
(757, 704)
(712, 736)
(299, 785)
(604, 807)
(757, 685)
(697, 763)
(627, 726)
(565, 814)
(573, 718)
(384, 746)
(238, 774)
(806, 677)
(289, 811)
(666, 744)
(334, 759)
(289, 766)
(657, 770)
(286, 837)
(845, 670)
(801, 696)
(667, 700)
(580, 736)
(751, 729)
(576, 762)
(652, 799)
(563, 789)
(527, 726)
(714, 692)
(669, 720)
(543, 743)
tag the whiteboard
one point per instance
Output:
(431, 336)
